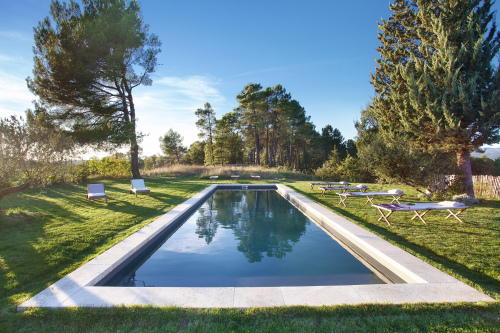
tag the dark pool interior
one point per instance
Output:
(245, 239)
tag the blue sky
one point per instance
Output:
(322, 52)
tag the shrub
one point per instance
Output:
(110, 167)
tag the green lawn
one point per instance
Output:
(49, 232)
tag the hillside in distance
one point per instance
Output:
(492, 153)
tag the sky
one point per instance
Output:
(321, 52)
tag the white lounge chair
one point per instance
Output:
(138, 186)
(426, 207)
(361, 187)
(213, 177)
(328, 184)
(396, 195)
(235, 177)
(96, 191)
(255, 177)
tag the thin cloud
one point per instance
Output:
(15, 35)
(15, 97)
(197, 88)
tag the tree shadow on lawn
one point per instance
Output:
(475, 278)
(80, 236)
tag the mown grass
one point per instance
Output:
(47, 233)
(469, 251)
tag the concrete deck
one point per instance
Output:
(424, 283)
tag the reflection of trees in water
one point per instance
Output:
(206, 223)
(274, 229)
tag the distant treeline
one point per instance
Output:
(267, 128)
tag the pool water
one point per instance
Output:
(246, 239)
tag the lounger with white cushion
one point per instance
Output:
(359, 187)
(96, 191)
(138, 186)
(328, 184)
(213, 177)
(396, 195)
(256, 177)
(426, 207)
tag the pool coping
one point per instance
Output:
(424, 283)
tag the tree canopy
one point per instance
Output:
(435, 85)
(87, 62)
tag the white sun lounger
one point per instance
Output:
(138, 186)
(256, 177)
(96, 191)
(213, 177)
(396, 195)
(426, 207)
(235, 177)
(328, 184)
(360, 187)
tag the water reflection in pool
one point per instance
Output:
(247, 238)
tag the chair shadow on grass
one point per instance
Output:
(31, 269)
(487, 283)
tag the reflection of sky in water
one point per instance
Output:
(249, 238)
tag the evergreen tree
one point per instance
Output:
(435, 84)
(87, 65)
(171, 145)
(207, 123)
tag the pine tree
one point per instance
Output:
(206, 123)
(435, 84)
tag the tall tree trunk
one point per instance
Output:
(463, 161)
(267, 144)
(134, 147)
(13, 189)
(257, 149)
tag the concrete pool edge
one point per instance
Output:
(425, 282)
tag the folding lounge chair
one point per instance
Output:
(426, 207)
(343, 189)
(328, 184)
(96, 191)
(213, 177)
(235, 177)
(256, 177)
(396, 195)
(138, 186)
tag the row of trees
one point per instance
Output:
(268, 128)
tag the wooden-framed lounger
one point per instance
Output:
(255, 177)
(396, 195)
(214, 177)
(343, 189)
(235, 177)
(426, 207)
(328, 184)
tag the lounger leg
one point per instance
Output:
(323, 193)
(312, 187)
(370, 200)
(342, 200)
(421, 216)
(385, 217)
(456, 215)
(396, 199)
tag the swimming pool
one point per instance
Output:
(245, 238)
(418, 281)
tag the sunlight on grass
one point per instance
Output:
(56, 231)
